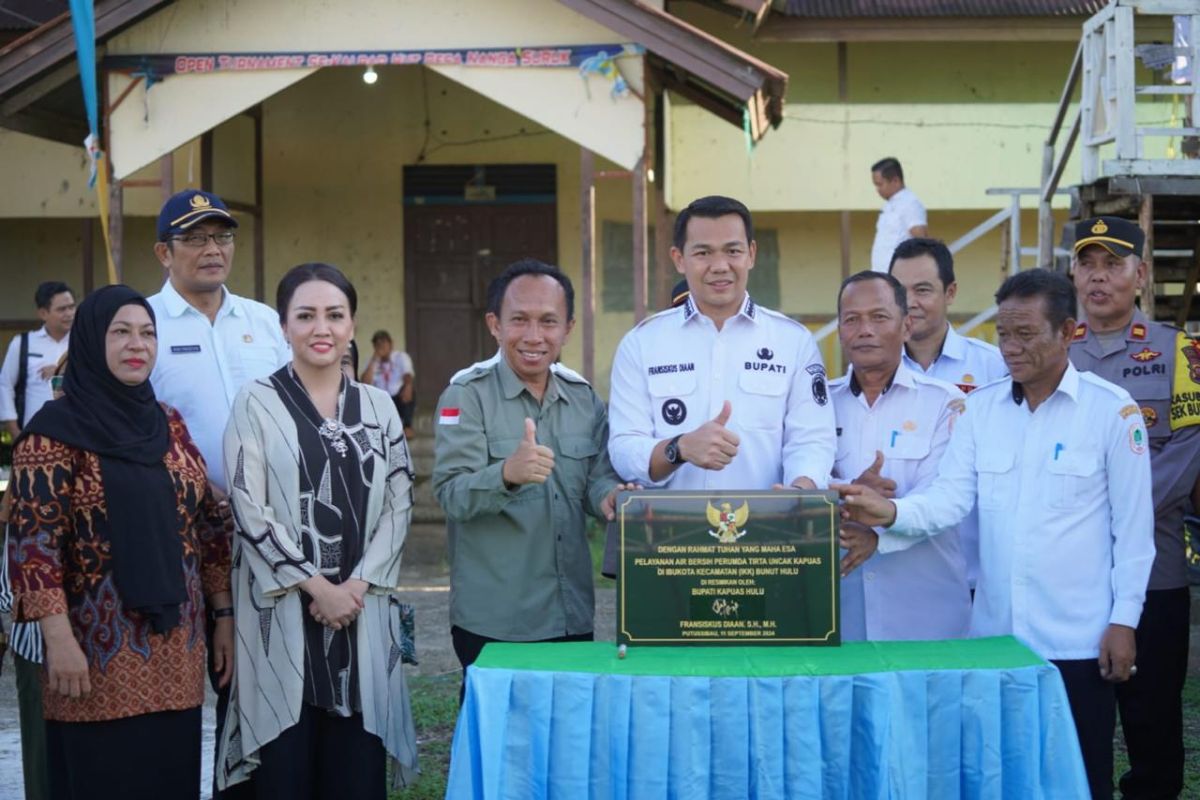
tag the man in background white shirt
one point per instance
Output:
(392, 370)
(925, 267)
(211, 342)
(43, 348)
(902, 216)
(893, 426)
(1058, 460)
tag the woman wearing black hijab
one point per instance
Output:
(117, 548)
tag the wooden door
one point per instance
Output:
(453, 249)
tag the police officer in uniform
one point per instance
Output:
(719, 393)
(1153, 362)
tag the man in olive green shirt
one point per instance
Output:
(521, 456)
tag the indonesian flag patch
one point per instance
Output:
(449, 416)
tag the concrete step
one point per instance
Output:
(425, 547)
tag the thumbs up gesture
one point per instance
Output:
(531, 462)
(712, 445)
(871, 477)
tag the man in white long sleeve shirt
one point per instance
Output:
(719, 393)
(893, 425)
(1058, 461)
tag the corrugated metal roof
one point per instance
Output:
(25, 15)
(841, 9)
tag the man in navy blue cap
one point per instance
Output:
(1152, 361)
(210, 343)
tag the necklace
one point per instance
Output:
(333, 430)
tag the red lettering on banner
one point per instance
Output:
(546, 58)
(185, 64)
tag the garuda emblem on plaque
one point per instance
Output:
(726, 522)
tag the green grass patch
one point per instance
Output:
(435, 710)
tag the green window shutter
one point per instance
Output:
(616, 239)
(617, 255)
(763, 284)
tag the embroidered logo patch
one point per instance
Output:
(1145, 355)
(1129, 411)
(1150, 415)
(674, 411)
(448, 416)
(820, 392)
(1137, 439)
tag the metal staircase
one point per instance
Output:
(1131, 165)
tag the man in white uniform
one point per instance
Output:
(1058, 460)
(719, 393)
(22, 395)
(210, 343)
(902, 216)
(894, 424)
(925, 268)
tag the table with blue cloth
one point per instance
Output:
(971, 718)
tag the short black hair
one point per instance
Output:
(313, 271)
(712, 207)
(871, 275)
(528, 266)
(47, 291)
(889, 168)
(1057, 289)
(934, 248)
(380, 336)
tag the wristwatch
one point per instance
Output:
(672, 451)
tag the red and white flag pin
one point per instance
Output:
(449, 416)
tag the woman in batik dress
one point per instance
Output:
(116, 547)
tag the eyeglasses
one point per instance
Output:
(197, 239)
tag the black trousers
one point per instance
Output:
(467, 647)
(406, 410)
(1151, 703)
(1094, 706)
(147, 757)
(323, 757)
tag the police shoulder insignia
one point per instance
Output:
(1080, 331)
(1137, 332)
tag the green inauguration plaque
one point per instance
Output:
(728, 568)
